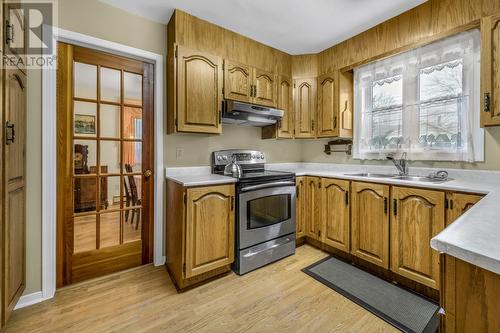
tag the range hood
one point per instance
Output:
(249, 114)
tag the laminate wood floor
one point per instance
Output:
(276, 298)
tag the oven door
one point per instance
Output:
(266, 211)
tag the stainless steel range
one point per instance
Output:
(265, 209)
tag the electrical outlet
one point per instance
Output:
(179, 153)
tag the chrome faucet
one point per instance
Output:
(401, 164)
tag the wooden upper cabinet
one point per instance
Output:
(312, 211)
(490, 71)
(285, 103)
(370, 222)
(417, 216)
(327, 106)
(345, 103)
(265, 88)
(459, 203)
(304, 96)
(198, 91)
(301, 207)
(209, 228)
(237, 81)
(335, 213)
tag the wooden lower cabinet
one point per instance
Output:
(459, 203)
(370, 222)
(313, 209)
(335, 213)
(301, 206)
(200, 232)
(417, 216)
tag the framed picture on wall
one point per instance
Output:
(85, 124)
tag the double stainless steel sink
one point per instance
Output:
(424, 179)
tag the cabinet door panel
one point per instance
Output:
(285, 103)
(301, 207)
(327, 110)
(237, 81)
(370, 222)
(459, 203)
(345, 103)
(199, 91)
(335, 213)
(418, 215)
(490, 70)
(209, 229)
(313, 206)
(265, 88)
(305, 107)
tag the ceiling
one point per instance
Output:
(293, 26)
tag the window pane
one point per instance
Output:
(85, 119)
(109, 229)
(84, 233)
(440, 124)
(441, 81)
(110, 156)
(85, 80)
(132, 225)
(388, 92)
(110, 192)
(132, 88)
(132, 123)
(386, 129)
(85, 156)
(110, 121)
(110, 85)
(132, 156)
(84, 194)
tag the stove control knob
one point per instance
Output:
(253, 156)
(224, 157)
(262, 156)
(219, 158)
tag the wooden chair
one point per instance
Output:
(134, 196)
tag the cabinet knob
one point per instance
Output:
(147, 173)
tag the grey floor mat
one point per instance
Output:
(403, 309)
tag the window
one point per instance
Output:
(424, 102)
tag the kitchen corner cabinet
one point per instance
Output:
(284, 128)
(313, 207)
(335, 213)
(345, 103)
(370, 222)
(327, 107)
(196, 94)
(490, 71)
(459, 203)
(301, 204)
(417, 216)
(304, 107)
(200, 232)
(250, 85)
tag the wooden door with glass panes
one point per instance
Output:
(105, 163)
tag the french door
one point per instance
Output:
(105, 163)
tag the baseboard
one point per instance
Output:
(30, 299)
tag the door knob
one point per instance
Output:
(148, 173)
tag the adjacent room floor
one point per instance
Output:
(276, 298)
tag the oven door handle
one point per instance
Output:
(268, 185)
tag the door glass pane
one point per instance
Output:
(132, 188)
(132, 156)
(110, 192)
(132, 123)
(132, 225)
(84, 233)
(110, 156)
(110, 121)
(109, 229)
(85, 119)
(132, 88)
(110, 85)
(269, 210)
(84, 156)
(85, 80)
(84, 194)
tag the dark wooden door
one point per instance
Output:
(105, 163)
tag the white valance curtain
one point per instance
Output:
(424, 102)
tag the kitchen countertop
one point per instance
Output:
(474, 237)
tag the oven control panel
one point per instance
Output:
(224, 157)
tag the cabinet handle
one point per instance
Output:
(312, 125)
(232, 203)
(395, 206)
(9, 33)
(486, 102)
(297, 191)
(251, 90)
(335, 122)
(10, 138)
(451, 204)
(385, 205)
